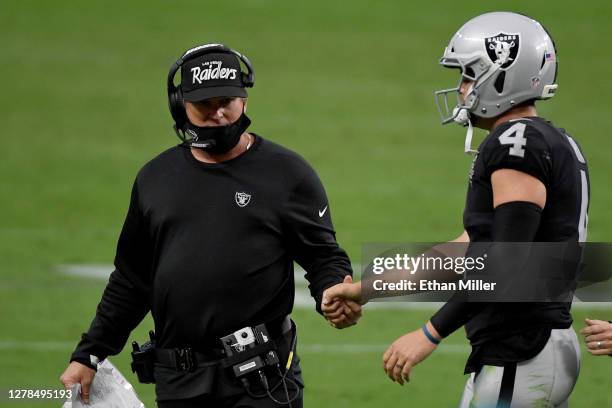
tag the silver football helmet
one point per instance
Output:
(509, 57)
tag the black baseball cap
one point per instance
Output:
(212, 75)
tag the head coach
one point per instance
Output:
(212, 230)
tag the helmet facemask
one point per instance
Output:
(474, 67)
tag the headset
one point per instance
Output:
(175, 93)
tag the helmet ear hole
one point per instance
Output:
(469, 73)
(499, 82)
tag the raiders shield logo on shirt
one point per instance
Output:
(503, 48)
(242, 199)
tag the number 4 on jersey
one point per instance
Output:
(515, 136)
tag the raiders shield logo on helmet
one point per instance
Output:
(242, 199)
(503, 48)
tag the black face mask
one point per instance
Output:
(217, 139)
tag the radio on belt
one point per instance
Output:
(243, 340)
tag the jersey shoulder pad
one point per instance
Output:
(518, 145)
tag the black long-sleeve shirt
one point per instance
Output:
(209, 248)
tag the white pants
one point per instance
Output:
(544, 381)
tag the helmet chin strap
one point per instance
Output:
(462, 117)
(468, 139)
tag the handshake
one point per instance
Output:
(341, 304)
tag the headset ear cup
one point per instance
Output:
(181, 106)
(247, 80)
(177, 107)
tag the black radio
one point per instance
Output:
(249, 349)
(143, 360)
(250, 352)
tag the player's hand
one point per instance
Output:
(598, 337)
(339, 311)
(79, 373)
(406, 352)
(347, 290)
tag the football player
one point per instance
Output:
(529, 182)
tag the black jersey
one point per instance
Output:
(533, 146)
(209, 248)
(502, 332)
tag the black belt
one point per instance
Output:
(186, 359)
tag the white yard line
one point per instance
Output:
(10, 345)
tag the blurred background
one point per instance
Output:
(348, 85)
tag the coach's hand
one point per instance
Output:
(79, 373)
(406, 352)
(339, 306)
(598, 337)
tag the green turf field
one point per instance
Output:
(349, 85)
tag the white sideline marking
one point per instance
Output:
(87, 271)
(12, 345)
(303, 300)
(37, 345)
